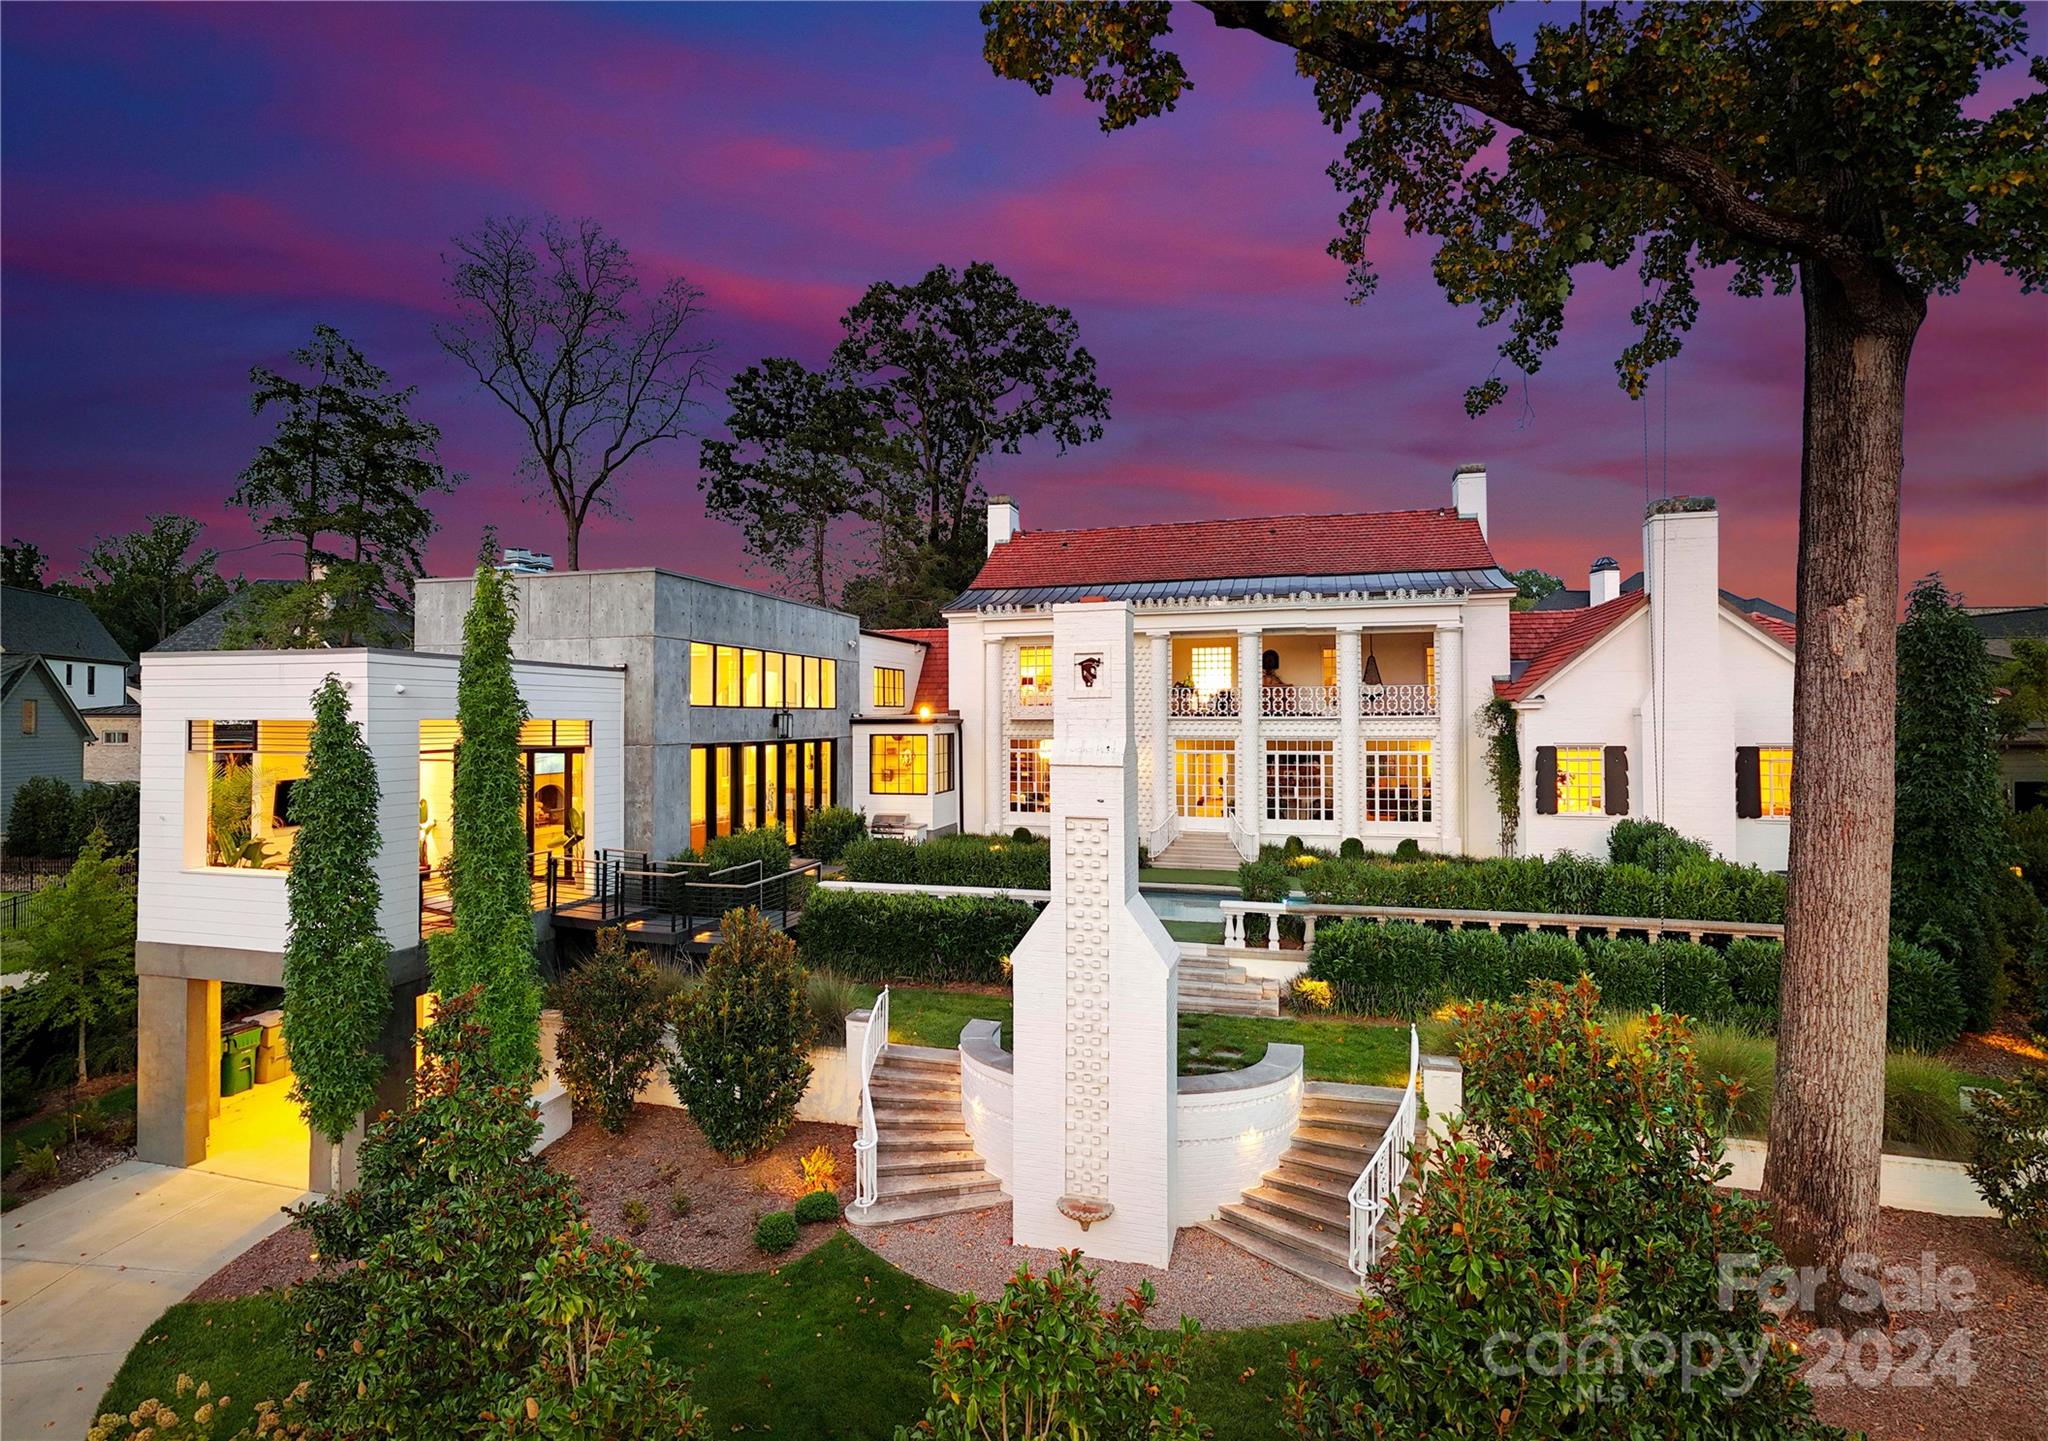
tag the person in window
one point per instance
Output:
(1270, 664)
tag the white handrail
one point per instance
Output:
(1308, 912)
(1378, 1189)
(866, 1181)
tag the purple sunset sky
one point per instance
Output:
(188, 191)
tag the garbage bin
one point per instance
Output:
(238, 1059)
(272, 1064)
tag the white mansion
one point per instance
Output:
(1325, 676)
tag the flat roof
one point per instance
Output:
(648, 570)
(434, 655)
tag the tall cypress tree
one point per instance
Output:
(336, 988)
(491, 947)
(1949, 837)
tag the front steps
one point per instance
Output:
(925, 1162)
(1200, 851)
(1210, 983)
(1299, 1215)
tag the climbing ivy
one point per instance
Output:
(336, 991)
(491, 946)
(1503, 766)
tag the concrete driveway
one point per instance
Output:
(85, 1270)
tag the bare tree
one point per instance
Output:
(551, 320)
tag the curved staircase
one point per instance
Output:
(1299, 1215)
(925, 1162)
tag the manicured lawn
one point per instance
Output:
(56, 1130)
(1186, 876)
(919, 1017)
(830, 1346)
(1204, 932)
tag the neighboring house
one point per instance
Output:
(213, 629)
(86, 661)
(906, 734)
(1607, 590)
(2022, 760)
(41, 731)
(115, 755)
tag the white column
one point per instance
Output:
(1448, 764)
(1350, 753)
(1154, 734)
(1249, 689)
(995, 775)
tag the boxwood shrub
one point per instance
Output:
(1695, 888)
(817, 1206)
(775, 1231)
(952, 861)
(828, 832)
(1477, 966)
(1926, 999)
(879, 936)
(1392, 970)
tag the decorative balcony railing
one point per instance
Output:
(1397, 700)
(1031, 700)
(1187, 702)
(1303, 702)
(1298, 700)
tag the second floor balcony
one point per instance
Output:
(1305, 676)
(1304, 702)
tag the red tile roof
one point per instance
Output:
(1547, 639)
(1368, 544)
(1782, 632)
(931, 676)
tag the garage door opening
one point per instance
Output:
(255, 1130)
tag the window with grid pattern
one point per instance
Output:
(896, 765)
(942, 763)
(1209, 669)
(1034, 674)
(1581, 775)
(1774, 781)
(1395, 781)
(888, 687)
(1031, 776)
(1300, 780)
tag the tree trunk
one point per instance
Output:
(573, 526)
(818, 528)
(1827, 1111)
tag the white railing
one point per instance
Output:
(1030, 700)
(1244, 835)
(1186, 702)
(1159, 837)
(1308, 912)
(1378, 1189)
(1299, 700)
(866, 1177)
(1398, 700)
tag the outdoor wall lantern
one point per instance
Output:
(780, 720)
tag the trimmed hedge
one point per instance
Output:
(880, 936)
(952, 861)
(1927, 1010)
(1695, 888)
(828, 832)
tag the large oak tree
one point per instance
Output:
(1825, 147)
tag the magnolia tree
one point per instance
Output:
(1810, 146)
(336, 988)
(491, 947)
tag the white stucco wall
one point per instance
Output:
(988, 1097)
(1594, 701)
(1232, 1129)
(1758, 674)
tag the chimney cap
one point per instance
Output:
(1000, 500)
(1470, 467)
(1605, 562)
(1680, 505)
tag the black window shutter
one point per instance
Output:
(1546, 780)
(1749, 783)
(1614, 784)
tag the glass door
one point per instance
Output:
(553, 823)
(1205, 782)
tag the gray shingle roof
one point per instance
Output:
(1169, 591)
(36, 622)
(209, 631)
(1569, 599)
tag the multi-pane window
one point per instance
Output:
(1034, 675)
(942, 763)
(251, 770)
(730, 675)
(1031, 775)
(1209, 669)
(888, 687)
(1774, 781)
(750, 677)
(1395, 781)
(28, 717)
(1581, 774)
(1204, 777)
(114, 738)
(896, 765)
(775, 784)
(1300, 780)
(1329, 665)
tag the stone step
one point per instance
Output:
(1309, 1182)
(1311, 1238)
(964, 1183)
(1334, 1276)
(1364, 1130)
(1337, 1140)
(894, 1089)
(1344, 1164)
(1313, 1209)
(889, 1213)
(921, 1055)
(917, 1118)
(923, 1139)
(1218, 1007)
(891, 1162)
(916, 1073)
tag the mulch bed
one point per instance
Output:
(2006, 1321)
(75, 1161)
(2009, 1050)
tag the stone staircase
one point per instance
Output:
(1299, 1215)
(925, 1162)
(1210, 983)
(1200, 851)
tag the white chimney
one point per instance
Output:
(1690, 723)
(1002, 520)
(1468, 494)
(1604, 583)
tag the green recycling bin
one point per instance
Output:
(238, 1059)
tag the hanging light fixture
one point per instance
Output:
(1372, 662)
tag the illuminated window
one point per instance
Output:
(811, 690)
(888, 687)
(896, 765)
(728, 675)
(1580, 776)
(1209, 668)
(750, 677)
(942, 763)
(771, 680)
(700, 796)
(723, 810)
(828, 683)
(701, 690)
(1395, 780)
(1300, 780)
(1204, 778)
(251, 770)
(28, 717)
(1034, 675)
(1774, 781)
(1329, 665)
(1031, 775)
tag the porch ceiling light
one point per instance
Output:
(924, 712)
(1372, 662)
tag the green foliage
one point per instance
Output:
(1755, 968)
(1048, 1359)
(1948, 838)
(22, 563)
(1923, 1106)
(1652, 845)
(1394, 969)
(1696, 981)
(1593, 1215)
(1630, 890)
(885, 936)
(776, 1231)
(148, 583)
(2023, 681)
(1409, 849)
(2010, 1161)
(1926, 1003)
(742, 1037)
(1503, 766)
(1024, 835)
(42, 818)
(484, 1304)
(2019, 933)
(36, 1166)
(1477, 965)
(830, 996)
(230, 793)
(78, 936)
(828, 832)
(345, 480)
(679, 1201)
(1266, 877)
(1546, 956)
(491, 945)
(1629, 972)
(115, 811)
(953, 861)
(1353, 849)
(613, 1022)
(1697, 887)
(817, 1206)
(336, 987)
(1531, 585)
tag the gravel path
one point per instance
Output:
(1210, 1279)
